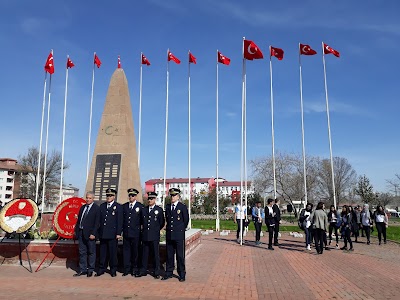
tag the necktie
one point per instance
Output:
(173, 207)
(86, 210)
(150, 209)
(108, 206)
(130, 206)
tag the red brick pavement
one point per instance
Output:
(221, 269)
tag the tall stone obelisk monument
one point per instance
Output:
(115, 161)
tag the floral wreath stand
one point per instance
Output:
(19, 207)
(64, 221)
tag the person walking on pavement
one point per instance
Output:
(258, 217)
(278, 221)
(270, 221)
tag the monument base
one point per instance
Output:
(66, 251)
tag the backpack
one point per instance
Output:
(300, 221)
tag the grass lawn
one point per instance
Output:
(230, 225)
(392, 233)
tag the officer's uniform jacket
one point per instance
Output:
(132, 219)
(177, 221)
(152, 222)
(110, 220)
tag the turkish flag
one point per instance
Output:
(329, 50)
(307, 50)
(119, 62)
(277, 52)
(173, 58)
(97, 61)
(223, 59)
(251, 50)
(49, 66)
(70, 64)
(145, 61)
(192, 59)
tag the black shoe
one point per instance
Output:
(156, 276)
(140, 274)
(166, 277)
(351, 249)
(89, 274)
(99, 274)
(182, 279)
(80, 274)
(113, 274)
(276, 244)
(327, 249)
(270, 248)
(379, 243)
(384, 242)
(368, 242)
(125, 274)
(343, 248)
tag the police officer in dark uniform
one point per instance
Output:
(153, 221)
(177, 217)
(111, 218)
(132, 211)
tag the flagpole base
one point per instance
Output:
(190, 224)
(217, 228)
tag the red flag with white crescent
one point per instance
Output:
(192, 59)
(97, 61)
(70, 64)
(277, 52)
(251, 50)
(329, 50)
(49, 66)
(223, 59)
(173, 58)
(145, 61)
(307, 50)
(119, 62)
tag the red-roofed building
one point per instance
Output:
(197, 186)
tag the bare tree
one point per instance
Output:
(365, 190)
(289, 177)
(384, 199)
(394, 185)
(345, 178)
(29, 167)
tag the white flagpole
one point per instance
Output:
(245, 141)
(140, 107)
(63, 138)
(46, 144)
(272, 124)
(242, 141)
(90, 122)
(189, 141)
(302, 134)
(217, 227)
(166, 137)
(41, 139)
(329, 127)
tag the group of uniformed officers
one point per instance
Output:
(139, 226)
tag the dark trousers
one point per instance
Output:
(238, 221)
(154, 249)
(108, 255)
(319, 239)
(131, 253)
(332, 227)
(176, 247)
(308, 234)
(356, 230)
(87, 253)
(346, 234)
(367, 230)
(258, 226)
(381, 227)
(271, 230)
(276, 231)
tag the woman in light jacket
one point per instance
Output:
(367, 221)
(320, 221)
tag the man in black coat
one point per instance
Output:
(110, 231)
(153, 221)
(177, 217)
(270, 221)
(86, 229)
(277, 212)
(132, 212)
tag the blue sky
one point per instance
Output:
(363, 83)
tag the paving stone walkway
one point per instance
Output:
(221, 269)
